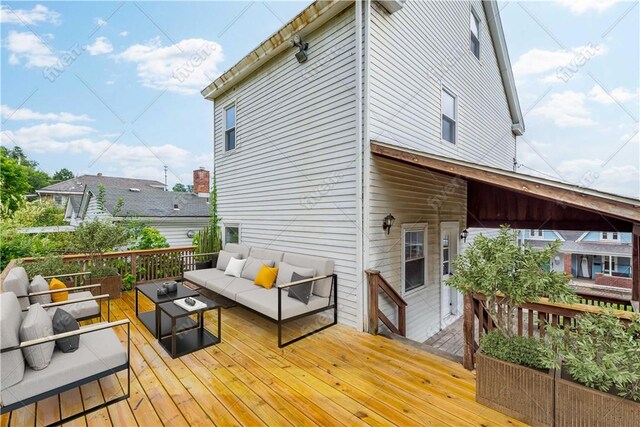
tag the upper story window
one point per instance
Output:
(536, 234)
(449, 116)
(230, 128)
(606, 235)
(474, 23)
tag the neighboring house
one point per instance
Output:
(178, 216)
(382, 107)
(61, 192)
(599, 256)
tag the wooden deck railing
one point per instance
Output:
(529, 319)
(145, 265)
(606, 301)
(377, 283)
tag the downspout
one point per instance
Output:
(360, 277)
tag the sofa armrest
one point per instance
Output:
(302, 282)
(72, 301)
(81, 331)
(74, 289)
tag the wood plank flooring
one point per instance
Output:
(336, 377)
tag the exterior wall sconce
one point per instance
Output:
(464, 234)
(301, 55)
(387, 222)
(191, 233)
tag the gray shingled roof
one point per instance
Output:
(588, 248)
(76, 185)
(152, 203)
(570, 235)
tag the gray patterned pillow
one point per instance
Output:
(37, 324)
(301, 292)
(39, 284)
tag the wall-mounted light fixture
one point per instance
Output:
(301, 55)
(190, 234)
(387, 222)
(464, 234)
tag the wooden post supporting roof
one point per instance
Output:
(635, 267)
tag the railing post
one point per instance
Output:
(134, 267)
(468, 329)
(635, 265)
(372, 276)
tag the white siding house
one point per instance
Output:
(293, 162)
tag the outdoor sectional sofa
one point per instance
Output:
(274, 303)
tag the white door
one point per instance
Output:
(451, 298)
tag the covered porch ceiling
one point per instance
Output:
(496, 197)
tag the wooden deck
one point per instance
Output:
(449, 340)
(336, 377)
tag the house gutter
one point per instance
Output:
(504, 63)
(314, 16)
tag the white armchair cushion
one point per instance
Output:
(39, 284)
(37, 324)
(11, 362)
(234, 268)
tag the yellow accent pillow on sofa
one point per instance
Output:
(266, 276)
(58, 296)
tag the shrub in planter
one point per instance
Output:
(206, 241)
(53, 265)
(600, 365)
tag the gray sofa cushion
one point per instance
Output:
(37, 324)
(12, 362)
(39, 284)
(98, 352)
(17, 282)
(322, 266)
(200, 277)
(224, 257)
(286, 270)
(275, 256)
(230, 287)
(238, 248)
(83, 309)
(301, 292)
(253, 266)
(64, 322)
(265, 301)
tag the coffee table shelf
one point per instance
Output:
(148, 318)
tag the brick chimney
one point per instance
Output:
(201, 182)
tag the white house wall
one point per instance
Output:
(416, 50)
(412, 195)
(291, 181)
(176, 234)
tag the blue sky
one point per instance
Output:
(90, 85)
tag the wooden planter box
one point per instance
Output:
(111, 285)
(520, 392)
(577, 405)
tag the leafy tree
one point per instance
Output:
(19, 156)
(62, 175)
(13, 184)
(150, 238)
(37, 179)
(96, 237)
(180, 188)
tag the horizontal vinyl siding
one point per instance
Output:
(405, 95)
(176, 234)
(412, 195)
(291, 181)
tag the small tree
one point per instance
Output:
(498, 268)
(179, 187)
(62, 175)
(97, 237)
(150, 238)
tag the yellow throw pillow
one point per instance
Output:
(266, 276)
(58, 296)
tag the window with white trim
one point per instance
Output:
(230, 128)
(449, 115)
(536, 234)
(414, 257)
(609, 235)
(231, 233)
(609, 264)
(474, 33)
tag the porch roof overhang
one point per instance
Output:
(496, 196)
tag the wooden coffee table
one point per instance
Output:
(148, 318)
(183, 341)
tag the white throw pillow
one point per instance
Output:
(234, 268)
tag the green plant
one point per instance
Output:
(96, 237)
(206, 241)
(214, 220)
(128, 281)
(50, 265)
(150, 238)
(601, 352)
(502, 271)
(526, 351)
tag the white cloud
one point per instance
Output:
(578, 7)
(28, 114)
(27, 47)
(562, 62)
(590, 173)
(76, 139)
(101, 22)
(39, 13)
(566, 109)
(186, 67)
(124, 33)
(618, 94)
(102, 45)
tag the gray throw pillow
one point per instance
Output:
(39, 284)
(301, 292)
(37, 324)
(224, 257)
(253, 266)
(64, 322)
